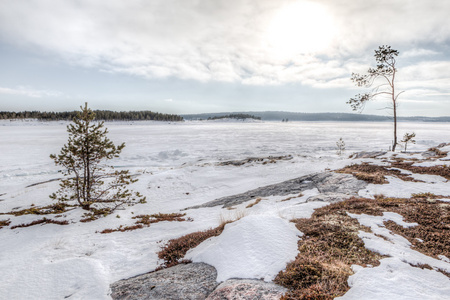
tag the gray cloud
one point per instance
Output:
(28, 92)
(225, 40)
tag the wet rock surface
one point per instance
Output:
(247, 289)
(325, 182)
(185, 281)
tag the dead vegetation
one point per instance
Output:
(327, 250)
(159, 217)
(254, 203)
(4, 223)
(147, 220)
(439, 153)
(330, 244)
(374, 173)
(95, 214)
(41, 221)
(56, 208)
(441, 170)
(175, 249)
(293, 197)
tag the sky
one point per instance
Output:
(197, 56)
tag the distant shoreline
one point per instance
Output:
(315, 117)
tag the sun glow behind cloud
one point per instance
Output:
(301, 27)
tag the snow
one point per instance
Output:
(383, 241)
(396, 277)
(176, 164)
(393, 279)
(242, 251)
(404, 189)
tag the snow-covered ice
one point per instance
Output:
(176, 164)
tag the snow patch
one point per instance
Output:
(396, 278)
(256, 246)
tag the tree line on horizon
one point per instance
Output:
(235, 116)
(105, 115)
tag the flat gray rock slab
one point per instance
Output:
(366, 154)
(325, 182)
(247, 289)
(185, 281)
(329, 197)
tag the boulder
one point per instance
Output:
(247, 289)
(185, 281)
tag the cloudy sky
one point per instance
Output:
(192, 56)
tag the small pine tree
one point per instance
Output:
(340, 146)
(408, 138)
(88, 181)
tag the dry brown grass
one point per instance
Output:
(147, 220)
(94, 214)
(376, 174)
(155, 218)
(329, 247)
(4, 223)
(442, 170)
(41, 221)
(176, 249)
(290, 198)
(439, 153)
(433, 218)
(232, 217)
(254, 203)
(122, 228)
(366, 172)
(56, 208)
(330, 244)
(373, 173)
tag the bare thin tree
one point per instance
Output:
(381, 80)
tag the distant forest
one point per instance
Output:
(235, 116)
(334, 117)
(105, 115)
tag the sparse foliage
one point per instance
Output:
(408, 138)
(386, 72)
(340, 146)
(88, 182)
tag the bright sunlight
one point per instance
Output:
(299, 28)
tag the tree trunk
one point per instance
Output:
(395, 126)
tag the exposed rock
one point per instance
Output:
(429, 153)
(329, 197)
(247, 289)
(442, 145)
(366, 154)
(263, 160)
(325, 182)
(190, 281)
(339, 183)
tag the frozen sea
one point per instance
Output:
(177, 167)
(26, 145)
